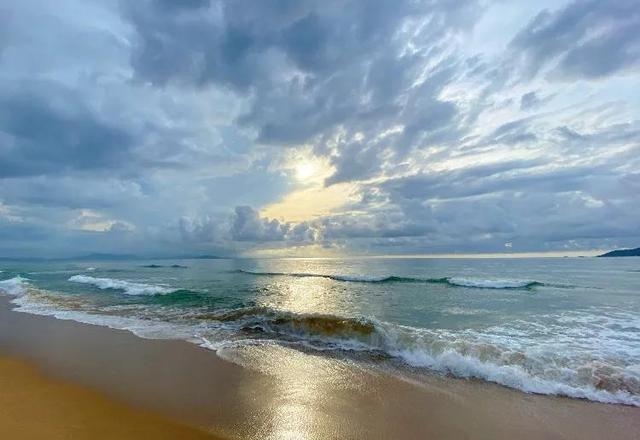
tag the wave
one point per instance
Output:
(14, 286)
(462, 354)
(273, 321)
(158, 266)
(556, 362)
(480, 283)
(36, 301)
(127, 287)
(349, 278)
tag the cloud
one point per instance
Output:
(88, 220)
(70, 192)
(49, 132)
(529, 100)
(585, 39)
(203, 230)
(156, 125)
(307, 67)
(248, 225)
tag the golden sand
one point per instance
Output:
(33, 406)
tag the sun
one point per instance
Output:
(305, 170)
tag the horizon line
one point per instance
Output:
(448, 255)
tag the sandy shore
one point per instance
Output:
(283, 394)
(38, 407)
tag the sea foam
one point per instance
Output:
(13, 286)
(500, 355)
(127, 287)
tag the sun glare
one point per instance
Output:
(305, 170)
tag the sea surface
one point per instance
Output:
(560, 326)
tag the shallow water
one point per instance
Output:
(566, 326)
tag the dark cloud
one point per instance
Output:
(15, 232)
(465, 182)
(70, 192)
(585, 39)
(220, 43)
(245, 225)
(355, 161)
(202, 230)
(172, 5)
(529, 100)
(312, 69)
(51, 133)
(248, 225)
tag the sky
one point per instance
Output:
(308, 128)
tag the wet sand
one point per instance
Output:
(285, 394)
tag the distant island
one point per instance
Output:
(622, 253)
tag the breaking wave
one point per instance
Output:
(127, 287)
(14, 286)
(319, 327)
(468, 354)
(480, 283)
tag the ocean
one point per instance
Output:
(558, 326)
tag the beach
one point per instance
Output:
(293, 395)
(37, 407)
(312, 220)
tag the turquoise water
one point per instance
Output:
(564, 326)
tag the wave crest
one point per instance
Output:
(14, 286)
(308, 326)
(480, 283)
(127, 287)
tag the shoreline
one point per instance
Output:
(289, 393)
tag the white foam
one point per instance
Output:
(596, 357)
(127, 287)
(460, 311)
(504, 355)
(13, 286)
(143, 328)
(513, 376)
(489, 283)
